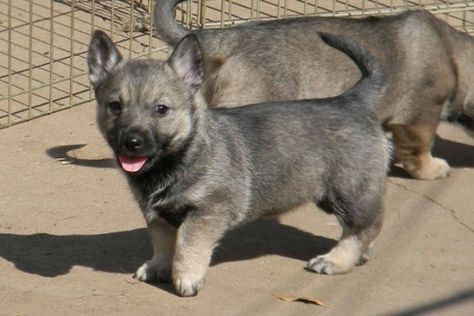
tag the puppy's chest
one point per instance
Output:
(171, 200)
(163, 205)
(171, 214)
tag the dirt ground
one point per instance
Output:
(71, 237)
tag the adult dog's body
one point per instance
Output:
(428, 65)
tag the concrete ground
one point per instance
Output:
(71, 237)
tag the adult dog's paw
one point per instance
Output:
(433, 168)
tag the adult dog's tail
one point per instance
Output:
(166, 25)
(370, 86)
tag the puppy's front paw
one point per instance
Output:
(187, 285)
(151, 272)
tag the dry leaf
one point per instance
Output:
(302, 299)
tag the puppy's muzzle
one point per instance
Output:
(133, 142)
(137, 141)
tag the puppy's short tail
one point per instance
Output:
(370, 86)
(166, 25)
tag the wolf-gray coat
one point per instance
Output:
(197, 172)
(428, 66)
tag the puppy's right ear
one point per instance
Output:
(102, 58)
(186, 61)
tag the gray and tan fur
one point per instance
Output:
(429, 67)
(203, 171)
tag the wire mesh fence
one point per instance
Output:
(43, 43)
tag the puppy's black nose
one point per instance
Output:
(133, 141)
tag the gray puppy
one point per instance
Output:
(428, 66)
(197, 172)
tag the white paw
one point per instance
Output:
(150, 272)
(187, 285)
(324, 266)
(442, 168)
(436, 168)
(341, 259)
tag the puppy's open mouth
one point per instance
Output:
(132, 164)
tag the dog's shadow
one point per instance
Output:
(66, 153)
(123, 252)
(458, 155)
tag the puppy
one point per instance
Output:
(197, 172)
(429, 67)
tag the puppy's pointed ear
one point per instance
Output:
(102, 58)
(186, 61)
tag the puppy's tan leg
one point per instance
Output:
(195, 243)
(158, 268)
(413, 149)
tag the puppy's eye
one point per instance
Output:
(115, 107)
(160, 110)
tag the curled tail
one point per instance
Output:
(370, 86)
(166, 25)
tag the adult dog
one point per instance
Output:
(428, 65)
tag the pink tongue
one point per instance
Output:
(131, 164)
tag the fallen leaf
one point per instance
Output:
(302, 299)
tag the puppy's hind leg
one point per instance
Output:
(158, 268)
(355, 245)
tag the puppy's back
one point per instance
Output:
(308, 147)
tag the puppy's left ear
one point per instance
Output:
(186, 61)
(102, 58)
